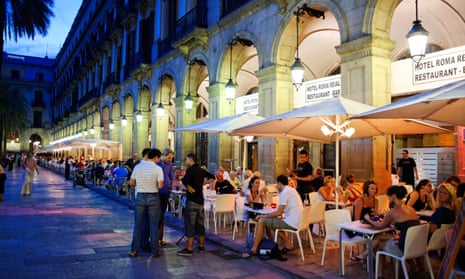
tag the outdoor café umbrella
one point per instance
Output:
(443, 104)
(327, 120)
(223, 125)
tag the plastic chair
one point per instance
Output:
(239, 214)
(438, 239)
(415, 246)
(225, 203)
(313, 196)
(304, 222)
(333, 217)
(317, 216)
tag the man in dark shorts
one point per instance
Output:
(194, 216)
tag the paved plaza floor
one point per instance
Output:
(66, 232)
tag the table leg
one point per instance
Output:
(371, 273)
(340, 252)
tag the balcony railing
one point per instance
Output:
(89, 96)
(112, 79)
(230, 6)
(197, 17)
(142, 57)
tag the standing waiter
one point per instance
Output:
(406, 168)
(303, 174)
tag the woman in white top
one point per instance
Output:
(253, 192)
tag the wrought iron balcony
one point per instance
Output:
(230, 6)
(195, 18)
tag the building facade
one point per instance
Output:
(33, 76)
(127, 67)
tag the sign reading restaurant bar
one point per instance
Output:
(434, 70)
(247, 103)
(317, 90)
(441, 65)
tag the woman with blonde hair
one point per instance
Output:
(445, 213)
(327, 192)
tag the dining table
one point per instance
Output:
(369, 232)
(425, 213)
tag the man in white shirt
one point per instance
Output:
(147, 176)
(290, 204)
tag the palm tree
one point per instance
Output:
(23, 18)
(15, 113)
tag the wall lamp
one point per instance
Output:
(124, 121)
(92, 130)
(417, 38)
(230, 86)
(160, 107)
(139, 116)
(297, 69)
(112, 125)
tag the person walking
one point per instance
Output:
(407, 169)
(2, 182)
(30, 168)
(147, 177)
(194, 214)
(166, 164)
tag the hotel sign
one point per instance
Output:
(322, 88)
(248, 103)
(440, 66)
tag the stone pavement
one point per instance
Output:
(66, 232)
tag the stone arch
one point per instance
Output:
(197, 82)
(115, 110)
(245, 62)
(145, 99)
(317, 40)
(128, 105)
(284, 45)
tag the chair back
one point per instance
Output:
(438, 238)
(313, 196)
(416, 241)
(225, 203)
(317, 212)
(304, 220)
(272, 188)
(240, 216)
(333, 217)
(383, 202)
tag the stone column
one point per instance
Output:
(275, 96)
(184, 141)
(366, 77)
(141, 133)
(127, 133)
(160, 127)
(220, 146)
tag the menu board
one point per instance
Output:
(454, 245)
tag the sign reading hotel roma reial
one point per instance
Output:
(322, 88)
(247, 103)
(440, 66)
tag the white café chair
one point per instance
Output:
(333, 217)
(317, 217)
(304, 223)
(313, 196)
(416, 240)
(225, 203)
(438, 238)
(239, 214)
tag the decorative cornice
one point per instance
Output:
(197, 38)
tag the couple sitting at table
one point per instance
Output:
(290, 204)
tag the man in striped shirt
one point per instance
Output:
(147, 177)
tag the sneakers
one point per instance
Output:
(185, 252)
(201, 249)
(133, 254)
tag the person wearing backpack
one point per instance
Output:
(290, 207)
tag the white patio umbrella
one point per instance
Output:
(223, 125)
(443, 104)
(328, 120)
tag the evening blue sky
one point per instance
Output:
(65, 11)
